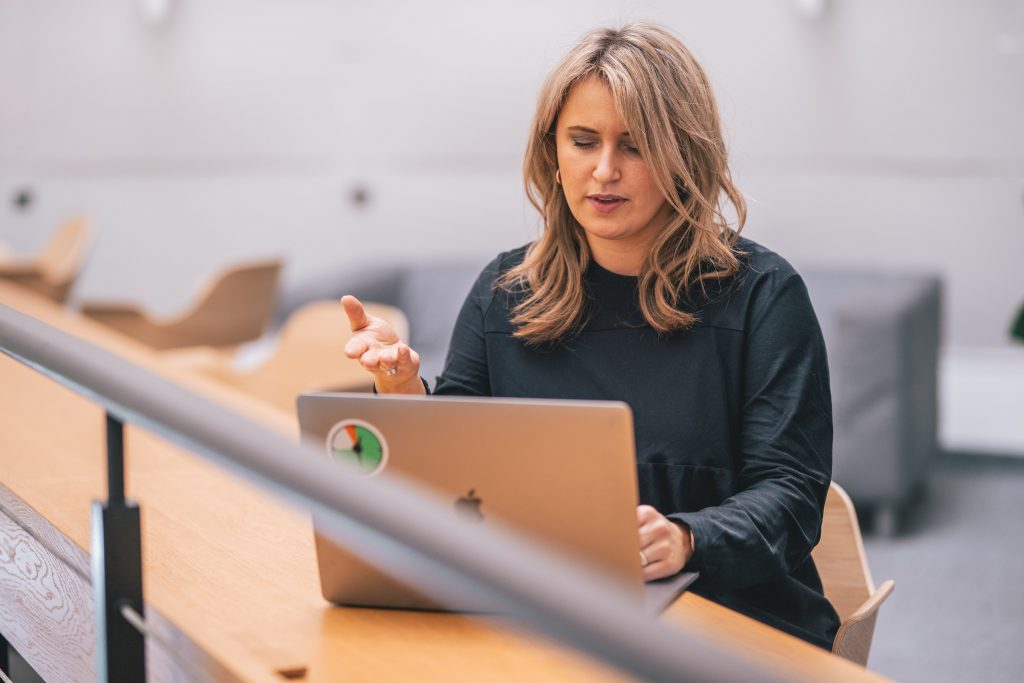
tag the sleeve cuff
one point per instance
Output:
(426, 387)
(696, 524)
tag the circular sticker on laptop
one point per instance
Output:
(358, 443)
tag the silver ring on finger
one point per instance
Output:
(643, 559)
(392, 371)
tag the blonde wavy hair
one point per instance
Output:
(666, 101)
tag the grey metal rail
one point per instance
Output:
(388, 518)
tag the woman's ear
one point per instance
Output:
(681, 191)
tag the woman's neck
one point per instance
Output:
(618, 257)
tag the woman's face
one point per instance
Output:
(608, 186)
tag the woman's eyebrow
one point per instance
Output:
(584, 129)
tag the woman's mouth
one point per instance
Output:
(606, 203)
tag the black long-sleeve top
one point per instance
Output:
(733, 418)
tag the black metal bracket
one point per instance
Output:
(117, 572)
(5, 655)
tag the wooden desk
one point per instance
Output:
(230, 572)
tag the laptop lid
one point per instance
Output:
(562, 471)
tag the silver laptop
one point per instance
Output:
(563, 472)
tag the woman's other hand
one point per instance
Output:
(395, 367)
(665, 546)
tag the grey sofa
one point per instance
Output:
(881, 330)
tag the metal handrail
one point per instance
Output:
(390, 518)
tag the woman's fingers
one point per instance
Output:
(662, 560)
(357, 318)
(663, 549)
(362, 339)
(366, 327)
(396, 370)
(408, 359)
(659, 569)
(398, 360)
(370, 359)
(653, 525)
(357, 345)
(395, 367)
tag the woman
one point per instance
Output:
(639, 291)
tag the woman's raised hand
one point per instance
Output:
(395, 367)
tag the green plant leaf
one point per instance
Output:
(1017, 330)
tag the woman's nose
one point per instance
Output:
(607, 169)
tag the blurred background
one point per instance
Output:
(873, 139)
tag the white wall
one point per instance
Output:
(881, 133)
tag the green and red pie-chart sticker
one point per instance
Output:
(358, 443)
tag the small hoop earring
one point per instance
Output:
(558, 176)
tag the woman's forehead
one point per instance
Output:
(590, 105)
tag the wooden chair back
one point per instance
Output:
(234, 308)
(62, 257)
(846, 577)
(54, 270)
(308, 356)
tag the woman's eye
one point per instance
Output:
(583, 143)
(631, 149)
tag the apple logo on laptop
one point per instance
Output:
(468, 507)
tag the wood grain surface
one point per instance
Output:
(45, 605)
(230, 572)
